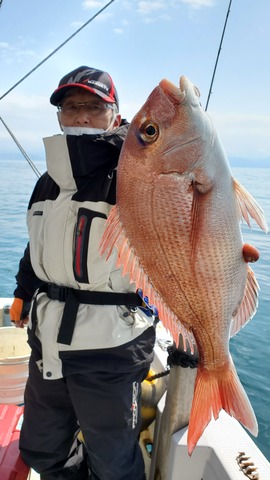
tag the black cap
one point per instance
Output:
(90, 79)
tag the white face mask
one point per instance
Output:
(82, 130)
(86, 130)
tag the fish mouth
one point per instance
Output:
(185, 85)
(179, 94)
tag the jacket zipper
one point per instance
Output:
(80, 234)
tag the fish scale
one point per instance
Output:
(176, 229)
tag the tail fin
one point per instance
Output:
(213, 392)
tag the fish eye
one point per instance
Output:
(149, 132)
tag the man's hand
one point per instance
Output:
(19, 311)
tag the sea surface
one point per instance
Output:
(250, 348)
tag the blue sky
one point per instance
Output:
(139, 43)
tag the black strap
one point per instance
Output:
(73, 298)
(67, 326)
(61, 294)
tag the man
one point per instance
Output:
(91, 346)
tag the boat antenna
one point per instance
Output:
(219, 50)
(32, 165)
(56, 49)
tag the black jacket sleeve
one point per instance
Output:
(27, 281)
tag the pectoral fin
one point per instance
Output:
(248, 306)
(249, 207)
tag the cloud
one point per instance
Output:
(243, 135)
(103, 17)
(30, 118)
(149, 11)
(76, 24)
(163, 9)
(4, 45)
(149, 7)
(88, 4)
(97, 5)
(118, 31)
(146, 7)
(199, 3)
(17, 52)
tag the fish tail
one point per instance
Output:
(214, 392)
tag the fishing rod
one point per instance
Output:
(219, 50)
(56, 49)
(32, 165)
(35, 68)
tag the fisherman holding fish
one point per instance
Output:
(91, 346)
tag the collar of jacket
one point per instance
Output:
(72, 160)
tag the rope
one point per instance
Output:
(180, 358)
(158, 375)
(56, 49)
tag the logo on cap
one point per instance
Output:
(98, 84)
(80, 75)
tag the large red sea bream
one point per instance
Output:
(176, 228)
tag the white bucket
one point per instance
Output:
(14, 359)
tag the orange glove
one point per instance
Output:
(19, 311)
(250, 253)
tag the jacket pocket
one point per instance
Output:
(82, 236)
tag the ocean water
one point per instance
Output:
(250, 348)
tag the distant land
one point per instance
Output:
(234, 161)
